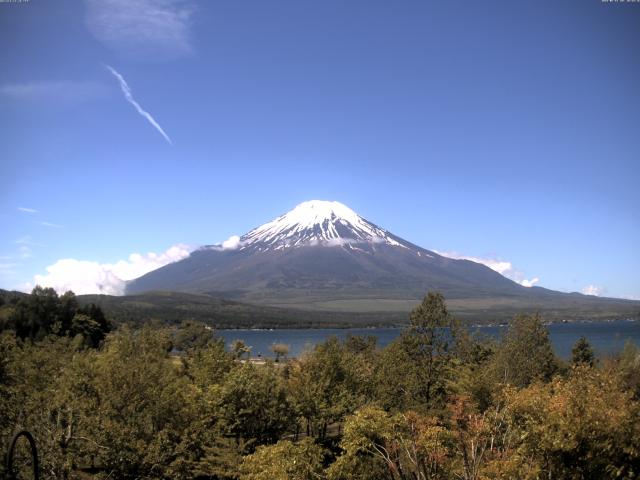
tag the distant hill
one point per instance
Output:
(322, 257)
(175, 307)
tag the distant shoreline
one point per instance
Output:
(374, 327)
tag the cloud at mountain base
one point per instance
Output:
(594, 290)
(232, 243)
(503, 267)
(86, 277)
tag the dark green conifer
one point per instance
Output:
(582, 353)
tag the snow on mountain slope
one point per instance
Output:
(317, 222)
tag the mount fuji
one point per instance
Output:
(323, 256)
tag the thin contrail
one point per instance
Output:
(127, 94)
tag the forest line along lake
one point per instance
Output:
(605, 337)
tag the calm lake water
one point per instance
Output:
(605, 337)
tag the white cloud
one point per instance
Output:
(340, 242)
(84, 277)
(593, 290)
(7, 268)
(232, 243)
(529, 283)
(503, 267)
(27, 240)
(27, 210)
(25, 251)
(337, 242)
(64, 91)
(144, 29)
(129, 97)
(51, 225)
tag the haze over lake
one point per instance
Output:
(605, 337)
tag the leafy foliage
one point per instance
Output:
(284, 460)
(417, 367)
(158, 403)
(44, 312)
(525, 354)
(328, 384)
(584, 426)
(252, 405)
(582, 353)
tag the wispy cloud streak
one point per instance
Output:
(27, 210)
(51, 225)
(143, 29)
(129, 97)
(7, 268)
(55, 91)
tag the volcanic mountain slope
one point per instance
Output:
(321, 249)
(322, 255)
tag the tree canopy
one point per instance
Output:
(437, 403)
(44, 312)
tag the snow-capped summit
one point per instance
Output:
(317, 222)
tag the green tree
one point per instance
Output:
(284, 461)
(43, 312)
(240, 349)
(472, 373)
(144, 404)
(7, 347)
(408, 445)
(205, 449)
(358, 345)
(87, 329)
(252, 405)
(35, 314)
(525, 354)
(583, 427)
(280, 350)
(35, 370)
(415, 370)
(627, 363)
(94, 312)
(582, 353)
(67, 308)
(329, 383)
(208, 366)
(192, 335)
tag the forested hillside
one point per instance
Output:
(437, 403)
(173, 308)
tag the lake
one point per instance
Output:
(605, 337)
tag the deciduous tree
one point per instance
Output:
(415, 370)
(525, 353)
(284, 461)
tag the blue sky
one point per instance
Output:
(498, 130)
